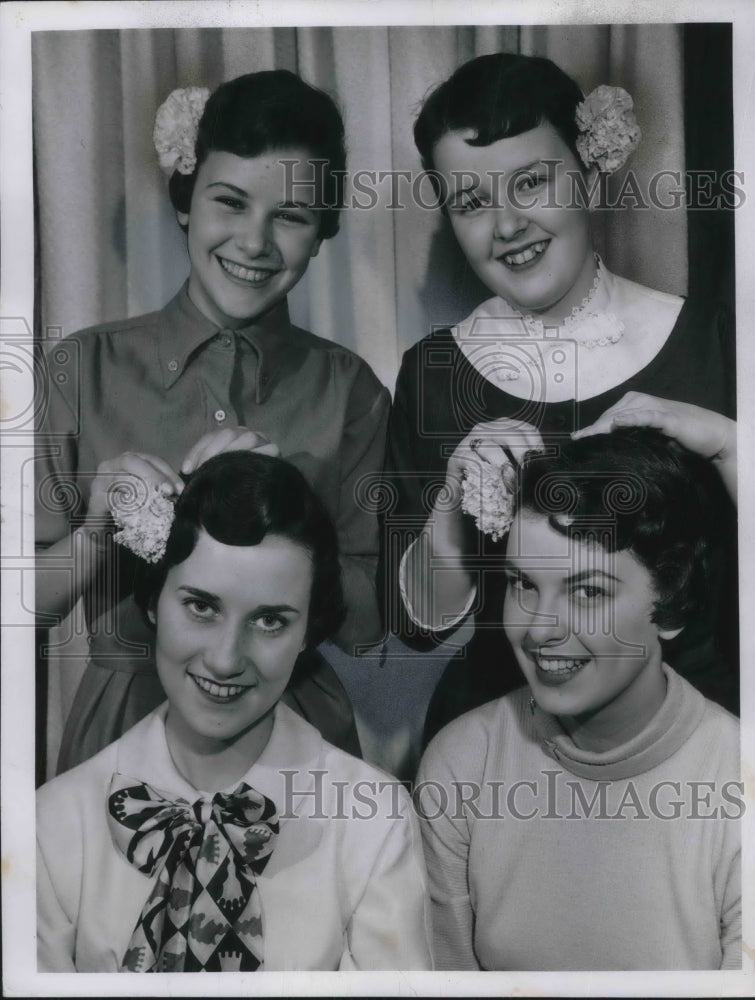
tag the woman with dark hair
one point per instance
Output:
(220, 367)
(222, 833)
(515, 151)
(589, 820)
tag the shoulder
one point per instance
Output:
(472, 744)
(441, 339)
(332, 782)
(719, 733)
(714, 741)
(133, 326)
(342, 361)
(66, 803)
(83, 786)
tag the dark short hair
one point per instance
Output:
(634, 490)
(499, 96)
(238, 498)
(273, 110)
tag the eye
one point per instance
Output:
(468, 204)
(588, 593)
(228, 200)
(270, 623)
(517, 581)
(295, 218)
(199, 609)
(530, 180)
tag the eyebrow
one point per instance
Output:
(585, 574)
(232, 187)
(261, 609)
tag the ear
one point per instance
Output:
(152, 616)
(669, 633)
(183, 218)
(315, 248)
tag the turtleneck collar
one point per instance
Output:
(671, 726)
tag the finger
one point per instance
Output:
(662, 420)
(202, 449)
(267, 449)
(149, 469)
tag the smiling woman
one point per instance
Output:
(231, 834)
(249, 241)
(581, 846)
(219, 368)
(514, 148)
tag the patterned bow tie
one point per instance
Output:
(203, 913)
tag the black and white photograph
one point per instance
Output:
(378, 500)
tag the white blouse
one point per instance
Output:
(344, 889)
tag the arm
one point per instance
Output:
(446, 839)
(67, 568)
(56, 934)
(361, 454)
(430, 561)
(389, 927)
(731, 907)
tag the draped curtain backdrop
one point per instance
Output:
(108, 242)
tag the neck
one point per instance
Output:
(556, 313)
(623, 718)
(209, 764)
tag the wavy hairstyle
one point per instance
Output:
(634, 490)
(238, 498)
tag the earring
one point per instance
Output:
(532, 705)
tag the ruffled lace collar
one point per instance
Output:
(500, 340)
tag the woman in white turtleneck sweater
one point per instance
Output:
(589, 821)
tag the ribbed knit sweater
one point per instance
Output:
(544, 856)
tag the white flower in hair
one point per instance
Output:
(609, 132)
(176, 126)
(144, 520)
(488, 495)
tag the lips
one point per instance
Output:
(247, 275)
(558, 669)
(219, 692)
(526, 255)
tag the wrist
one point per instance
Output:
(96, 535)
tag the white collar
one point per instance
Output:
(294, 745)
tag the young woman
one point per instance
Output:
(513, 148)
(220, 367)
(589, 820)
(222, 833)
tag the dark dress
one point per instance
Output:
(440, 397)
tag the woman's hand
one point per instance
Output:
(489, 442)
(132, 473)
(705, 432)
(227, 439)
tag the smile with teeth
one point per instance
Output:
(254, 275)
(525, 256)
(218, 690)
(559, 666)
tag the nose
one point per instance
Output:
(225, 655)
(253, 236)
(509, 221)
(549, 623)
